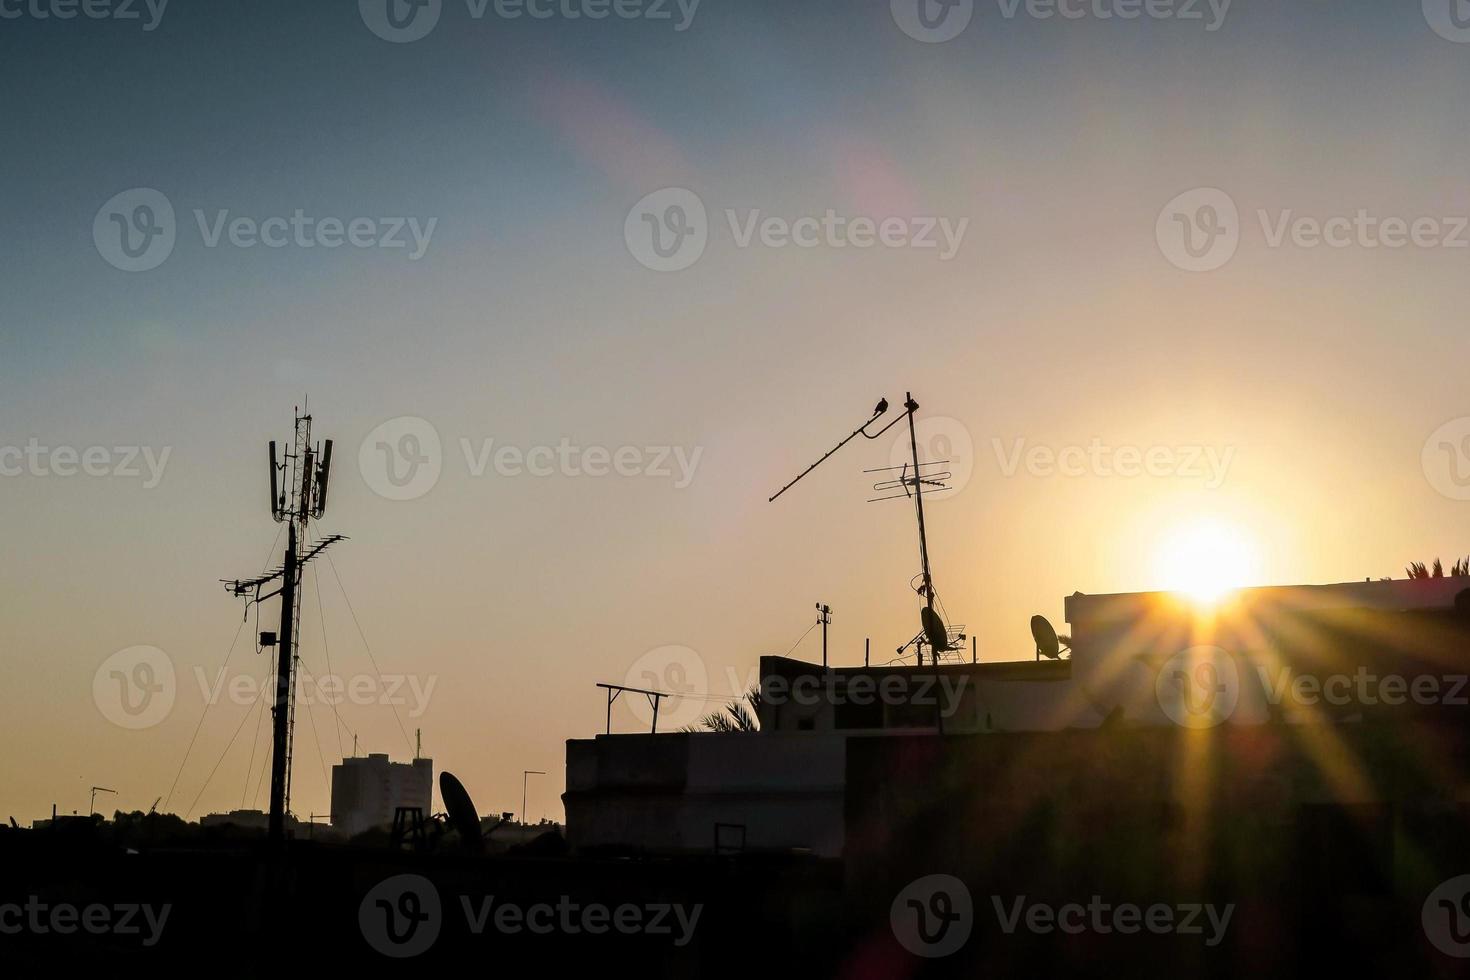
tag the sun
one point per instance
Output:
(1207, 559)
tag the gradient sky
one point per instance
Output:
(528, 322)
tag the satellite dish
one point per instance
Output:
(462, 814)
(934, 629)
(1048, 644)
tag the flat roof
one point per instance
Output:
(1030, 670)
(1395, 594)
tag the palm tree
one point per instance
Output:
(740, 715)
(1418, 570)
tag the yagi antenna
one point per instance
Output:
(908, 480)
(912, 477)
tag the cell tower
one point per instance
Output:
(298, 496)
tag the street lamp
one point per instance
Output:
(525, 775)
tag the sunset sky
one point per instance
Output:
(1313, 375)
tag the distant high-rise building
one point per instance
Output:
(366, 791)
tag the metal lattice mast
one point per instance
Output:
(305, 499)
(301, 493)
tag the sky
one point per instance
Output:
(1161, 284)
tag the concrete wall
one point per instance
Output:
(666, 793)
(1127, 647)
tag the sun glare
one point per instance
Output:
(1206, 560)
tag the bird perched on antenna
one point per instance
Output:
(882, 407)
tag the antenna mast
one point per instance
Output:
(909, 479)
(911, 407)
(296, 500)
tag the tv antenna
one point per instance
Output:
(950, 644)
(92, 804)
(298, 496)
(915, 478)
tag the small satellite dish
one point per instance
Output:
(462, 814)
(934, 630)
(1048, 644)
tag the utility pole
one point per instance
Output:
(301, 499)
(92, 804)
(824, 616)
(525, 775)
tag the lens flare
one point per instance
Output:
(1206, 560)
